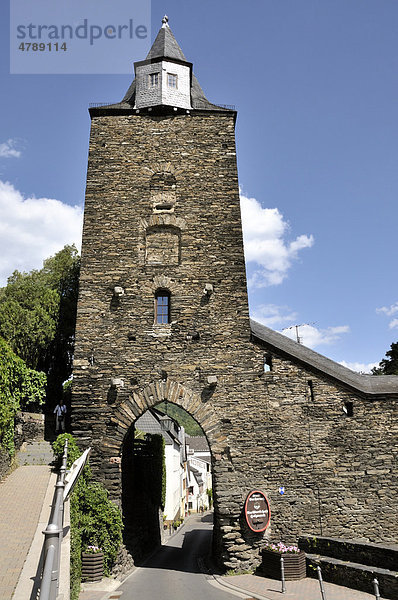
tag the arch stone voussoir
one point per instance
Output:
(134, 406)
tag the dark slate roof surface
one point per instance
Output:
(198, 98)
(150, 422)
(367, 384)
(197, 443)
(197, 474)
(165, 45)
(130, 94)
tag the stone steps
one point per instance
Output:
(35, 453)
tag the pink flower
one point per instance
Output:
(281, 548)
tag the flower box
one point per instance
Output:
(92, 566)
(293, 563)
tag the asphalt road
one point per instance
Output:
(173, 573)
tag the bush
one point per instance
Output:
(100, 522)
(75, 549)
(95, 520)
(20, 388)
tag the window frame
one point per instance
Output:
(172, 77)
(162, 293)
(151, 82)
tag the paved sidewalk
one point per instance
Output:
(21, 499)
(305, 589)
(252, 586)
(38, 452)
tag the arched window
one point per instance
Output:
(162, 307)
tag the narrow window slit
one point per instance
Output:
(162, 307)
(267, 363)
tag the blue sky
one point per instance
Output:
(315, 85)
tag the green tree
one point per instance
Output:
(389, 365)
(38, 314)
(20, 388)
(182, 417)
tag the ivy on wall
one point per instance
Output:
(21, 388)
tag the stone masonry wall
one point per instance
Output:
(5, 463)
(264, 430)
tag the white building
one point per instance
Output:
(155, 422)
(198, 473)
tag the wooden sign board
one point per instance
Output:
(257, 511)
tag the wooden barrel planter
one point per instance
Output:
(92, 566)
(293, 563)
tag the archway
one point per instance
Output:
(140, 491)
(166, 476)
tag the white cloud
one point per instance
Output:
(359, 367)
(272, 315)
(389, 311)
(276, 316)
(264, 235)
(312, 336)
(32, 229)
(8, 150)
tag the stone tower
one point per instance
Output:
(163, 310)
(163, 315)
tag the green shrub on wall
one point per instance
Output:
(100, 522)
(20, 388)
(73, 453)
(95, 520)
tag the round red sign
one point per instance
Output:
(257, 511)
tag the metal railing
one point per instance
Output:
(101, 104)
(198, 102)
(53, 535)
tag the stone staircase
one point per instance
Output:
(38, 452)
(353, 564)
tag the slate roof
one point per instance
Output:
(372, 385)
(197, 474)
(198, 443)
(150, 422)
(198, 98)
(165, 45)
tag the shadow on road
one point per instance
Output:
(184, 549)
(207, 518)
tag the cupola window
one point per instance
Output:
(154, 79)
(172, 80)
(162, 307)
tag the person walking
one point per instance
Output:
(60, 412)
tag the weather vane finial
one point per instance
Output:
(165, 21)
